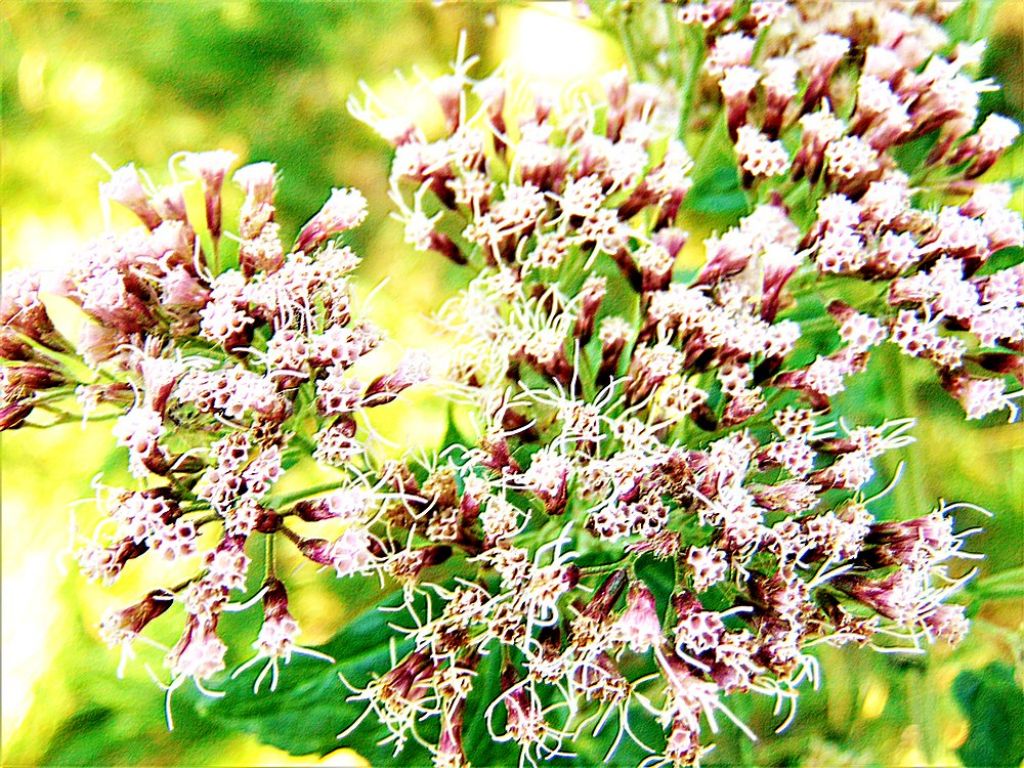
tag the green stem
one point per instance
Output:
(269, 555)
(910, 491)
(276, 502)
(600, 570)
(627, 47)
(689, 86)
(69, 418)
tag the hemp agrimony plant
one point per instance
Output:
(661, 502)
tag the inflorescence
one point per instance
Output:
(660, 505)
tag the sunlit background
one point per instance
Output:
(138, 82)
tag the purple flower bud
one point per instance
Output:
(32, 377)
(449, 750)
(414, 369)
(179, 288)
(607, 595)
(125, 625)
(211, 167)
(13, 415)
(169, 203)
(125, 187)
(199, 653)
(259, 181)
(779, 263)
(408, 680)
(407, 565)
(822, 58)
(345, 209)
(738, 85)
(591, 295)
(639, 625)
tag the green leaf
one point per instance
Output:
(1007, 584)
(971, 21)
(73, 364)
(994, 705)
(477, 743)
(716, 181)
(452, 434)
(718, 192)
(310, 707)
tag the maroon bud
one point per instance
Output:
(414, 369)
(13, 416)
(125, 624)
(181, 289)
(125, 187)
(259, 180)
(449, 743)
(169, 203)
(127, 549)
(407, 681)
(275, 600)
(492, 93)
(591, 295)
(448, 90)
(607, 595)
(344, 209)
(613, 341)
(211, 167)
(444, 245)
(499, 456)
(685, 603)
(34, 377)
(409, 564)
(314, 511)
(317, 550)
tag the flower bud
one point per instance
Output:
(738, 85)
(821, 60)
(414, 369)
(125, 187)
(639, 625)
(607, 595)
(125, 625)
(345, 209)
(211, 167)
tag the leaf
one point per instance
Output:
(718, 192)
(716, 181)
(994, 705)
(72, 363)
(970, 21)
(1007, 584)
(480, 748)
(452, 434)
(310, 707)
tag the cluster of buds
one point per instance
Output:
(225, 359)
(823, 113)
(659, 511)
(880, 66)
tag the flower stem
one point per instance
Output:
(276, 502)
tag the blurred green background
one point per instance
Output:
(140, 81)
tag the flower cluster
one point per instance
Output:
(824, 118)
(662, 503)
(227, 360)
(660, 510)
